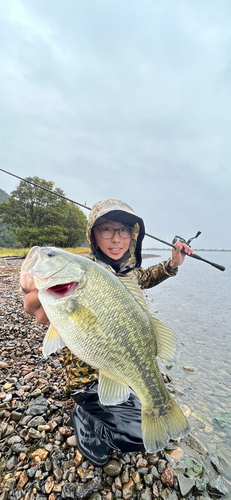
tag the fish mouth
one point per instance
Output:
(63, 289)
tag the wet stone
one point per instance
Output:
(69, 491)
(36, 421)
(142, 462)
(71, 441)
(148, 479)
(161, 466)
(85, 490)
(23, 479)
(57, 459)
(118, 483)
(109, 480)
(11, 463)
(9, 429)
(218, 486)
(125, 476)
(58, 473)
(14, 439)
(143, 470)
(168, 477)
(146, 494)
(95, 496)
(216, 464)
(37, 407)
(32, 471)
(185, 484)
(34, 434)
(19, 448)
(136, 477)
(153, 459)
(112, 468)
(155, 490)
(15, 415)
(128, 489)
(85, 474)
(25, 420)
(168, 494)
(127, 458)
(200, 485)
(10, 483)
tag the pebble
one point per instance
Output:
(128, 489)
(71, 441)
(112, 468)
(168, 477)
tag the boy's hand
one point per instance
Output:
(32, 306)
(177, 256)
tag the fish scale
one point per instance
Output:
(105, 322)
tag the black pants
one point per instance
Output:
(118, 427)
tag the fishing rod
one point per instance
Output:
(177, 238)
(44, 189)
(194, 255)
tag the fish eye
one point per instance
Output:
(52, 253)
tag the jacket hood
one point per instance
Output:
(117, 210)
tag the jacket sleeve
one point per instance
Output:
(153, 275)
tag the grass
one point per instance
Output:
(24, 251)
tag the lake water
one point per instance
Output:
(196, 304)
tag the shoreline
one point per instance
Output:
(150, 255)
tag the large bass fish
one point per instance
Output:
(104, 320)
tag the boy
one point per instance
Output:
(115, 234)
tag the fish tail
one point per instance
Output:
(157, 430)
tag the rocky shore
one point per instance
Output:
(39, 458)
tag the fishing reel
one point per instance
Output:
(182, 240)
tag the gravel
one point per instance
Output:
(39, 459)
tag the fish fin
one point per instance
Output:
(166, 341)
(52, 341)
(157, 430)
(112, 391)
(135, 289)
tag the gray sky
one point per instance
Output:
(127, 99)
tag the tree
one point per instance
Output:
(75, 225)
(3, 196)
(38, 217)
(7, 236)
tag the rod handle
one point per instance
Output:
(195, 256)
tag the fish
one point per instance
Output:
(104, 320)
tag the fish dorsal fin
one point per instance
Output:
(52, 341)
(135, 290)
(166, 340)
(112, 391)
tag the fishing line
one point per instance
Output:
(194, 256)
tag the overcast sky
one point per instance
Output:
(127, 99)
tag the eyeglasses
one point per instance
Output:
(108, 232)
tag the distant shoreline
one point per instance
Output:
(149, 255)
